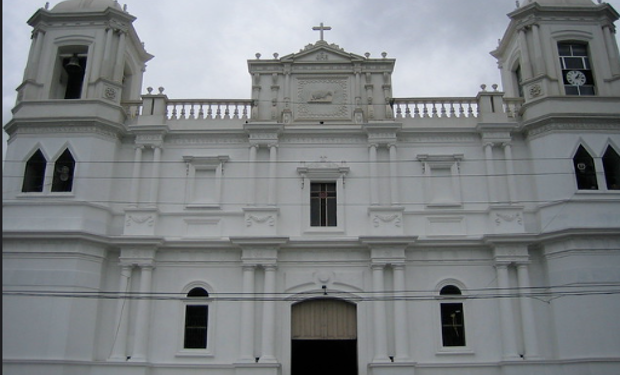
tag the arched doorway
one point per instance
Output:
(324, 337)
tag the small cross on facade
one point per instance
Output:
(321, 29)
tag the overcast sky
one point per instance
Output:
(201, 47)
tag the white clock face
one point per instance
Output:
(576, 78)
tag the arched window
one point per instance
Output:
(585, 172)
(452, 316)
(611, 166)
(34, 174)
(63, 172)
(196, 319)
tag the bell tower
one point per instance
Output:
(85, 62)
(83, 49)
(560, 48)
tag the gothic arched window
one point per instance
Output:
(63, 172)
(452, 316)
(611, 166)
(585, 172)
(196, 319)
(34, 173)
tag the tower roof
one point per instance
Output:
(561, 2)
(85, 6)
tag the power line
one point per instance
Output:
(541, 292)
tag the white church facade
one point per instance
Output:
(321, 226)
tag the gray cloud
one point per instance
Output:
(201, 46)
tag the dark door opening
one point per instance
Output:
(324, 337)
(324, 357)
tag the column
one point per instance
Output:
(269, 316)
(506, 313)
(119, 348)
(510, 171)
(252, 175)
(273, 183)
(538, 54)
(393, 174)
(135, 178)
(35, 55)
(119, 66)
(143, 314)
(526, 65)
(488, 156)
(527, 313)
(155, 168)
(401, 328)
(105, 70)
(612, 49)
(379, 319)
(374, 183)
(246, 346)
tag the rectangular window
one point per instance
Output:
(452, 324)
(323, 204)
(576, 70)
(196, 318)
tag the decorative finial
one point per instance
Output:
(495, 86)
(124, 7)
(47, 5)
(517, 3)
(367, 54)
(149, 90)
(384, 54)
(483, 87)
(257, 55)
(161, 90)
(275, 55)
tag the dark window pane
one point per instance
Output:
(323, 204)
(611, 165)
(63, 172)
(571, 90)
(585, 171)
(579, 49)
(574, 63)
(450, 290)
(34, 173)
(452, 324)
(586, 90)
(196, 319)
(564, 49)
(198, 292)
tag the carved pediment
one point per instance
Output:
(322, 52)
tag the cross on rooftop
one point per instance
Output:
(321, 29)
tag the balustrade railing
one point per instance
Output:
(435, 107)
(189, 109)
(404, 108)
